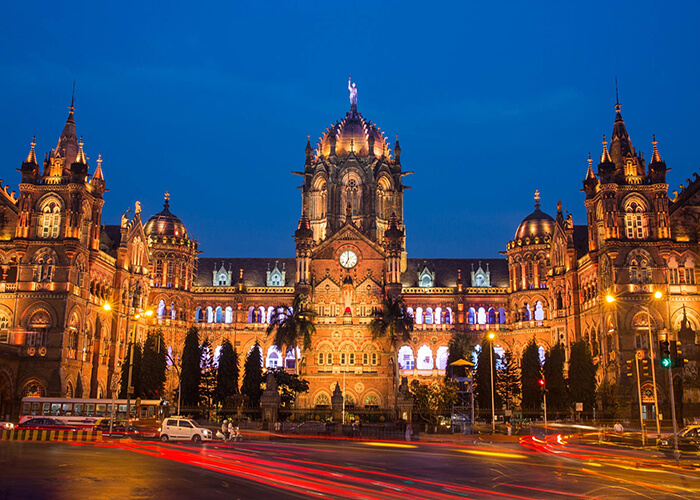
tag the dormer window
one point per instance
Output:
(276, 277)
(426, 279)
(223, 279)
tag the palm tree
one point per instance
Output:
(291, 326)
(394, 322)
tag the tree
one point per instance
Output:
(615, 401)
(190, 369)
(508, 385)
(207, 380)
(227, 374)
(432, 399)
(393, 322)
(153, 366)
(461, 346)
(531, 372)
(486, 362)
(135, 373)
(292, 328)
(252, 376)
(581, 381)
(290, 386)
(555, 383)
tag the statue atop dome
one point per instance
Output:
(352, 87)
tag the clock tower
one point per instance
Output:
(352, 193)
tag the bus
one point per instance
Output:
(79, 412)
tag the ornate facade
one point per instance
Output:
(61, 265)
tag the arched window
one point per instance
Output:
(492, 316)
(210, 314)
(323, 401)
(428, 316)
(198, 315)
(219, 317)
(539, 311)
(481, 316)
(425, 358)
(449, 319)
(44, 267)
(33, 389)
(274, 357)
(173, 311)
(50, 224)
(160, 312)
(634, 221)
(251, 314)
(409, 311)
(419, 315)
(228, 315)
(501, 316)
(542, 354)
(438, 315)
(442, 354)
(406, 360)
(639, 270)
(471, 316)
(262, 315)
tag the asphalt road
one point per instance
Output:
(337, 469)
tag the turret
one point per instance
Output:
(30, 166)
(393, 243)
(657, 167)
(79, 168)
(590, 184)
(303, 237)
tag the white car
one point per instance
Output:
(183, 428)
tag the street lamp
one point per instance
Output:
(657, 295)
(492, 336)
(610, 299)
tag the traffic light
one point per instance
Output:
(645, 368)
(676, 354)
(665, 351)
(541, 382)
(630, 368)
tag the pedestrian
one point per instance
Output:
(618, 427)
(509, 427)
(409, 431)
(224, 429)
(354, 429)
(230, 430)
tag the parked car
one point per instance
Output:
(688, 440)
(183, 428)
(119, 426)
(8, 426)
(310, 428)
(45, 424)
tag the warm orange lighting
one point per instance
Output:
(491, 335)
(493, 454)
(107, 307)
(658, 294)
(389, 445)
(610, 298)
(149, 313)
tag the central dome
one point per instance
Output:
(165, 223)
(537, 224)
(353, 134)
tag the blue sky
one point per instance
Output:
(213, 101)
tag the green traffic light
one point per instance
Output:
(666, 362)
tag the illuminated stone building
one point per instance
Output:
(60, 265)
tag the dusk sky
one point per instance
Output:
(213, 102)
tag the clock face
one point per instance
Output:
(348, 259)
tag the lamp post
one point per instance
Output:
(657, 295)
(610, 299)
(492, 336)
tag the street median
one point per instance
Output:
(50, 435)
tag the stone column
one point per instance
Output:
(270, 401)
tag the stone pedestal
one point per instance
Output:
(337, 404)
(270, 401)
(404, 402)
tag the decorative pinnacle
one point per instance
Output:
(655, 157)
(72, 100)
(166, 204)
(537, 198)
(31, 157)
(618, 106)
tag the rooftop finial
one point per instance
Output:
(618, 106)
(72, 99)
(605, 155)
(166, 204)
(31, 157)
(590, 174)
(537, 198)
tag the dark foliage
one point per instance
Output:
(252, 376)
(190, 369)
(227, 374)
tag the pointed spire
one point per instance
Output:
(67, 146)
(397, 150)
(537, 199)
(308, 150)
(618, 106)
(304, 228)
(80, 157)
(31, 157)
(605, 156)
(98, 171)
(590, 174)
(655, 157)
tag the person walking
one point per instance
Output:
(224, 429)
(409, 431)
